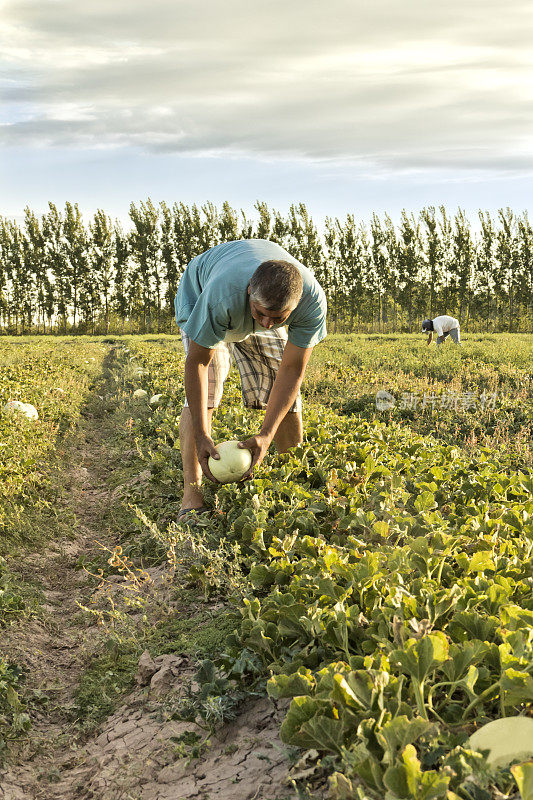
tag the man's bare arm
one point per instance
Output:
(196, 383)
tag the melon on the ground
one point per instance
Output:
(234, 462)
(140, 394)
(507, 739)
(155, 400)
(18, 407)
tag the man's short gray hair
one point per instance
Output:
(276, 285)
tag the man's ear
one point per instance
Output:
(249, 290)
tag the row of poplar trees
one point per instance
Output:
(59, 274)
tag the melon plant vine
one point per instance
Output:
(388, 593)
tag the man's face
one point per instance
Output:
(267, 317)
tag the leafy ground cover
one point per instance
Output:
(54, 379)
(382, 578)
(379, 575)
(472, 396)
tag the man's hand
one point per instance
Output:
(205, 447)
(258, 446)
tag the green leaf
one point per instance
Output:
(481, 561)
(419, 657)
(413, 772)
(395, 779)
(523, 775)
(330, 556)
(297, 684)
(472, 625)
(12, 697)
(324, 733)
(351, 691)
(408, 780)
(517, 687)
(471, 678)
(261, 576)
(328, 587)
(425, 501)
(514, 617)
(368, 769)
(301, 710)
(396, 734)
(369, 465)
(291, 620)
(381, 528)
(463, 658)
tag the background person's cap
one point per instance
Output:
(427, 325)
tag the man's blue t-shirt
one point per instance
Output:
(212, 300)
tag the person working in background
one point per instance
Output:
(442, 326)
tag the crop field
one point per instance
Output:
(56, 380)
(375, 583)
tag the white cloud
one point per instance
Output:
(385, 85)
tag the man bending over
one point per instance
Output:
(233, 303)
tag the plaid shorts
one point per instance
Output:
(257, 358)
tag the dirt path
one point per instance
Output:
(140, 752)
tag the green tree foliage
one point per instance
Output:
(409, 264)
(120, 273)
(432, 255)
(101, 265)
(58, 273)
(76, 248)
(35, 255)
(56, 262)
(485, 266)
(145, 243)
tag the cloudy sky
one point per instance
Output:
(346, 105)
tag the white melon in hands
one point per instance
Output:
(234, 462)
(507, 739)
